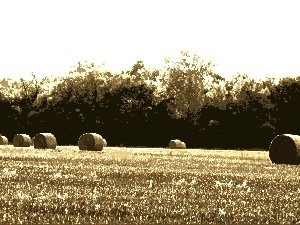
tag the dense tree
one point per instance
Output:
(184, 100)
(8, 116)
(23, 105)
(184, 82)
(126, 113)
(285, 98)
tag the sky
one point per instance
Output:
(258, 38)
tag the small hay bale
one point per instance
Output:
(285, 149)
(176, 144)
(22, 140)
(3, 140)
(91, 141)
(45, 140)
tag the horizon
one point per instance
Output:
(48, 38)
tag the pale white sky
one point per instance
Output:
(257, 37)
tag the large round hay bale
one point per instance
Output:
(285, 149)
(44, 140)
(3, 140)
(22, 140)
(91, 141)
(176, 144)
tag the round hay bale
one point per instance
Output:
(3, 140)
(175, 144)
(285, 149)
(45, 140)
(91, 141)
(22, 140)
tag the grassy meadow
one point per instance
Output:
(142, 186)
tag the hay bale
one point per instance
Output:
(3, 140)
(22, 140)
(91, 141)
(45, 140)
(285, 149)
(176, 144)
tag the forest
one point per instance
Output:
(185, 99)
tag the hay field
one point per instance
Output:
(142, 186)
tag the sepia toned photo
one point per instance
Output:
(149, 112)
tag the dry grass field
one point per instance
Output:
(142, 186)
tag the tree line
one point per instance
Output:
(185, 99)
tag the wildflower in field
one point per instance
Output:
(193, 182)
(150, 184)
(59, 196)
(218, 183)
(97, 206)
(230, 184)
(243, 185)
(222, 211)
(181, 181)
(57, 175)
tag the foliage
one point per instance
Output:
(21, 106)
(285, 98)
(185, 99)
(126, 108)
(184, 81)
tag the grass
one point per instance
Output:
(142, 186)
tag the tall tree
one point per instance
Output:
(184, 82)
